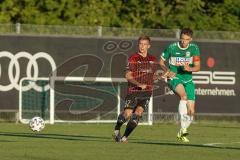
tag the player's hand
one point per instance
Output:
(171, 74)
(143, 86)
(158, 76)
(168, 74)
(187, 68)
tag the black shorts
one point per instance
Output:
(135, 99)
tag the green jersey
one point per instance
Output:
(177, 57)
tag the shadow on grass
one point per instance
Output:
(216, 126)
(107, 139)
(6, 141)
(188, 145)
(56, 136)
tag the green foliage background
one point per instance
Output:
(222, 15)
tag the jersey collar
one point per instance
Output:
(142, 55)
(181, 47)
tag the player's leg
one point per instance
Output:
(182, 109)
(133, 122)
(190, 90)
(142, 104)
(187, 118)
(124, 116)
(177, 86)
(179, 89)
(191, 111)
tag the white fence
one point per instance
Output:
(99, 31)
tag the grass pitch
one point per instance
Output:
(208, 141)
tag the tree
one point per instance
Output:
(164, 14)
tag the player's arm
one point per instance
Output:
(196, 65)
(166, 72)
(130, 69)
(164, 57)
(163, 65)
(130, 78)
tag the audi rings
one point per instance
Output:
(112, 46)
(32, 67)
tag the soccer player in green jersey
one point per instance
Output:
(178, 61)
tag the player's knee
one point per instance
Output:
(121, 119)
(183, 97)
(191, 112)
(134, 119)
(139, 111)
(127, 113)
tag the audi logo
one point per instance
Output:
(32, 69)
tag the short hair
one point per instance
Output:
(144, 38)
(186, 31)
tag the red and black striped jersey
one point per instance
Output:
(143, 69)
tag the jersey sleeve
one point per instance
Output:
(131, 65)
(166, 53)
(196, 51)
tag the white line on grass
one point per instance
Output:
(215, 144)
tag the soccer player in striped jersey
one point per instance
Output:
(140, 74)
(183, 58)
